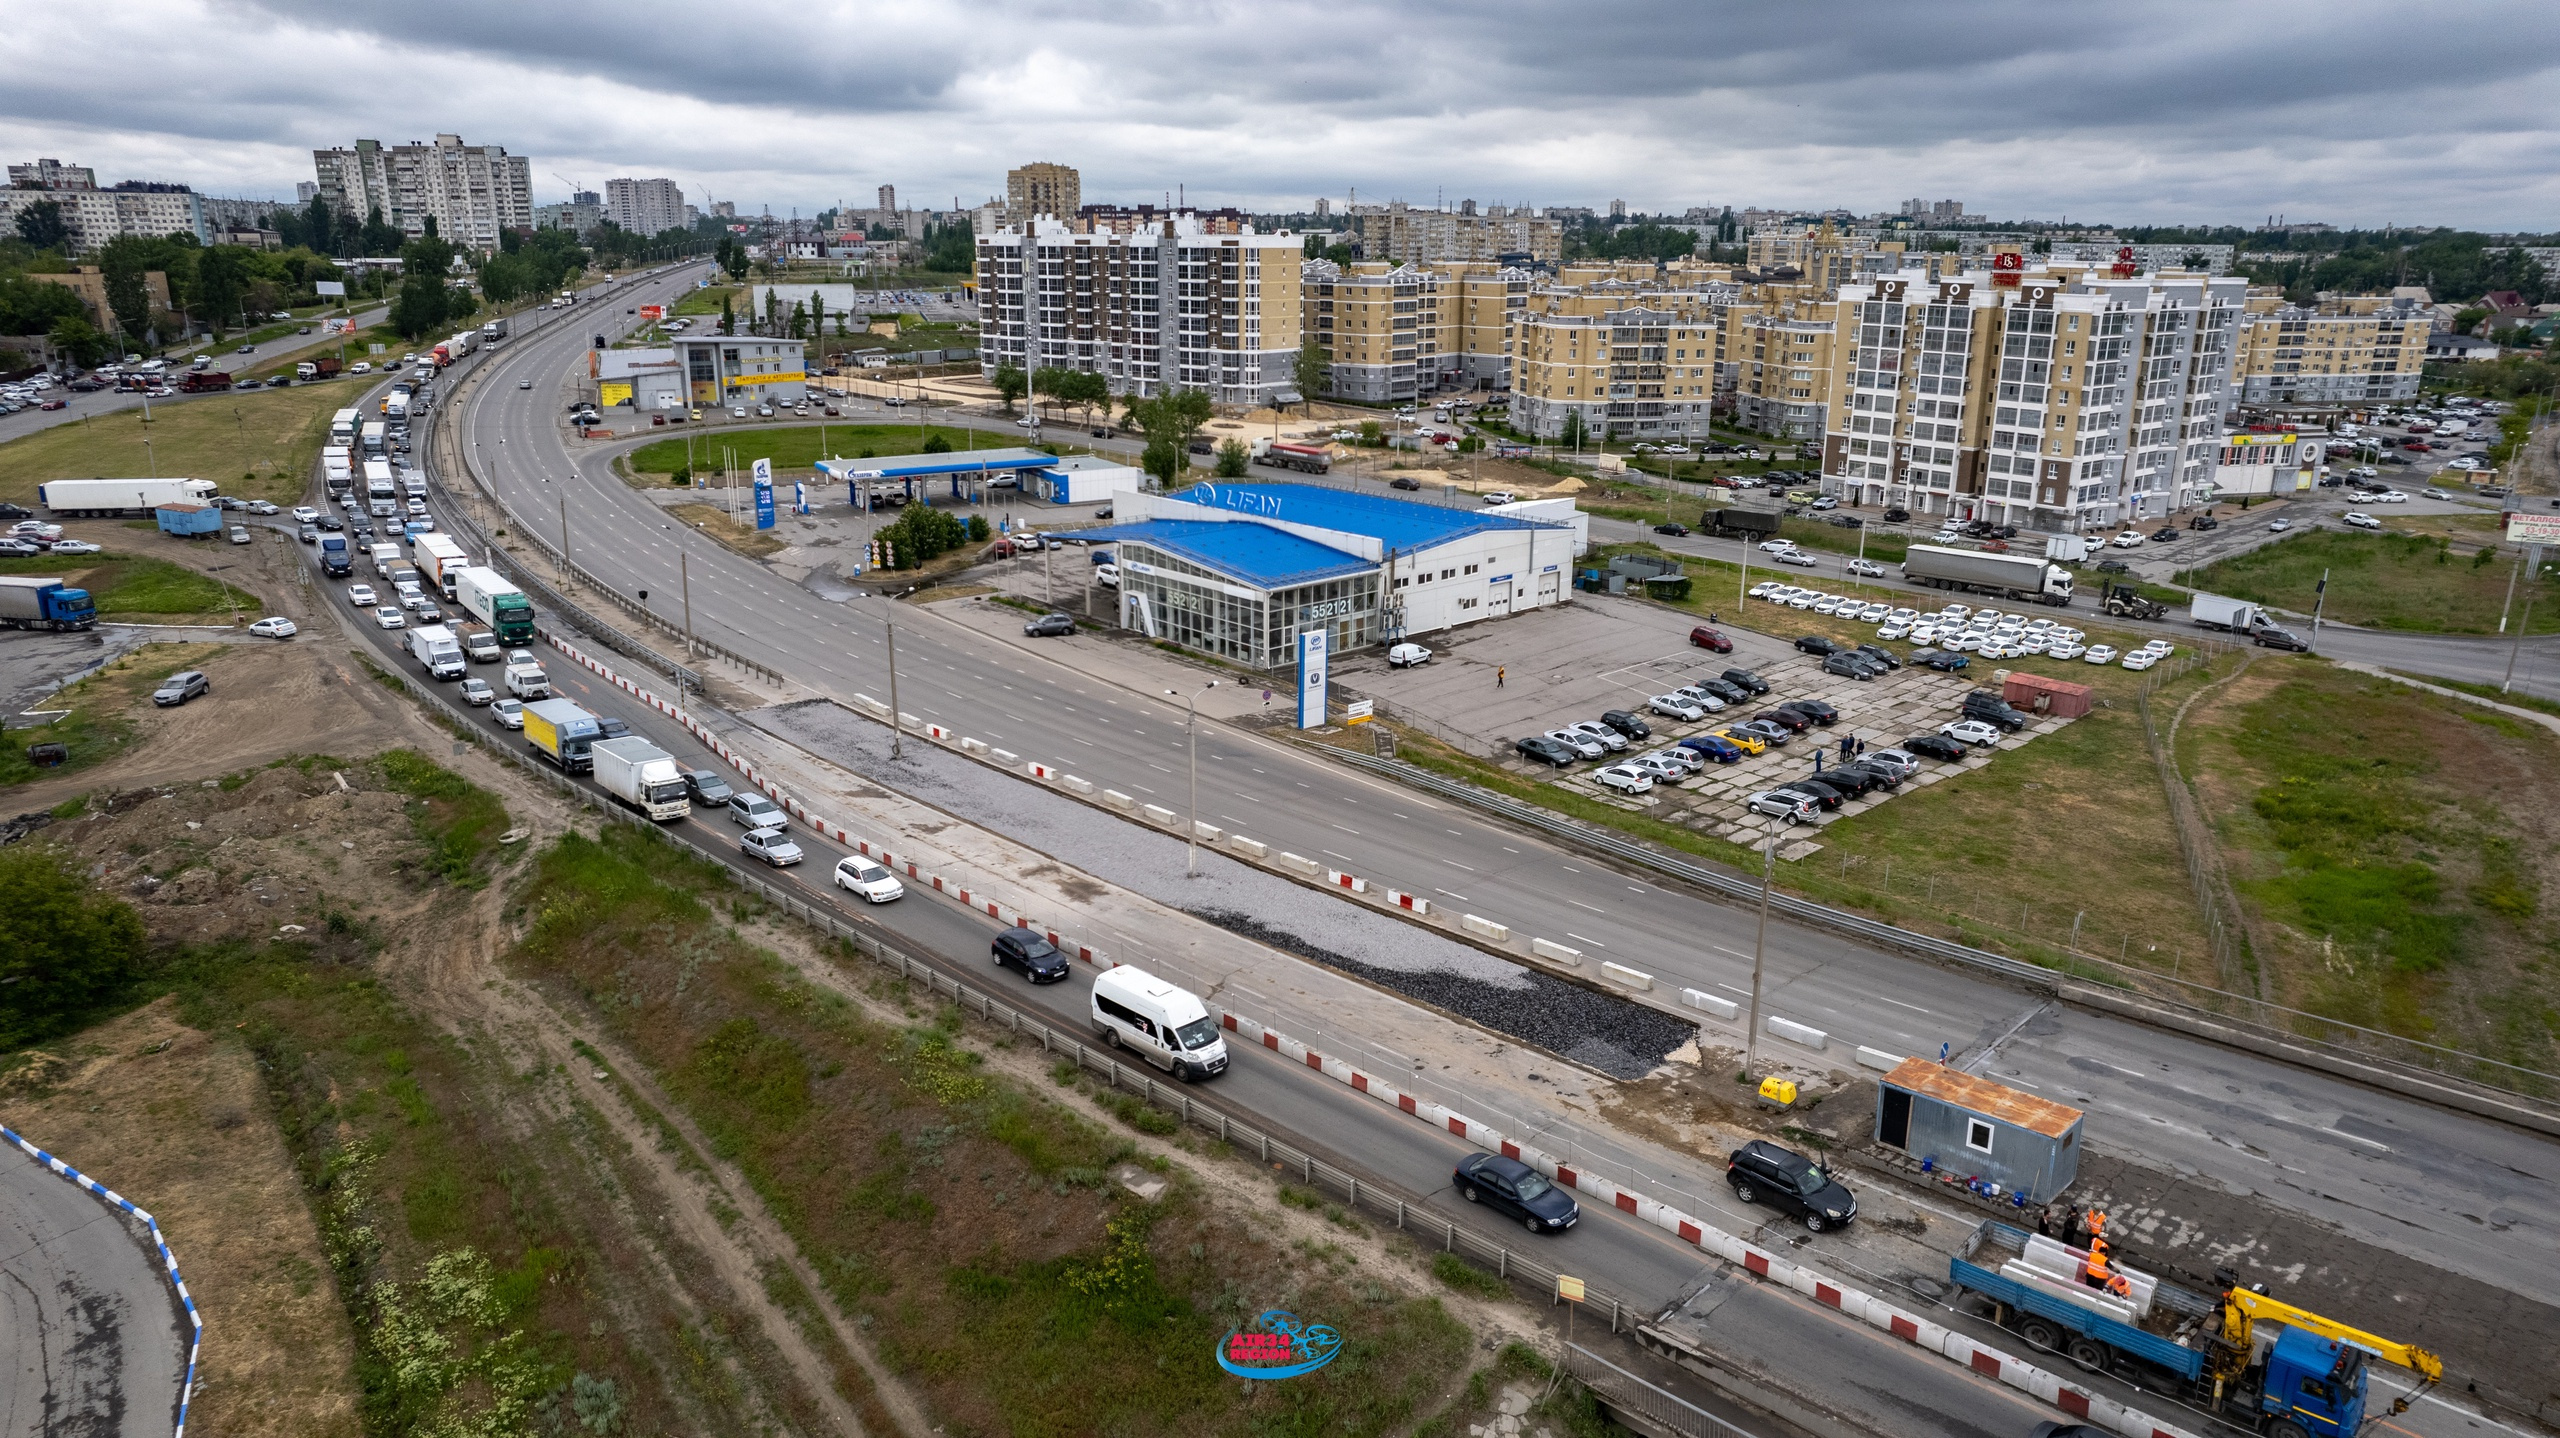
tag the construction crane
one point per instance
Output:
(2245, 1308)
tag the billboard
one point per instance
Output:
(764, 494)
(653, 312)
(1311, 678)
(2525, 528)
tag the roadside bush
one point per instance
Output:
(64, 949)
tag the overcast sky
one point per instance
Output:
(2220, 111)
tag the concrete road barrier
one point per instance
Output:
(1632, 978)
(1005, 757)
(1250, 848)
(1207, 833)
(1076, 785)
(1298, 863)
(1550, 949)
(1487, 928)
(1159, 814)
(973, 746)
(1793, 1032)
(1118, 800)
(1878, 1059)
(1722, 1008)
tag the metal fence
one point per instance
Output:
(1643, 1406)
(2226, 928)
(2222, 1006)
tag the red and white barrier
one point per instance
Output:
(1341, 880)
(1402, 900)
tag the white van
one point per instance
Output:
(1166, 1025)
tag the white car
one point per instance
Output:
(508, 713)
(361, 596)
(1971, 731)
(2130, 539)
(2140, 660)
(858, 875)
(1957, 611)
(1830, 604)
(1891, 630)
(2279, 526)
(1405, 656)
(1794, 808)
(477, 692)
(1764, 589)
(737, 411)
(1579, 743)
(360, 367)
(2161, 647)
(2099, 654)
(75, 546)
(1874, 614)
(1903, 616)
(414, 600)
(1625, 778)
(1799, 559)
(1601, 734)
(1866, 568)
(2362, 520)
(305, 514)
(275, 627)
(2063, 649)
(771, 845)
(2391, 496)
(1777, 546)
(390, 618)
(1499, 496)
(1674, 706)
(1679, 760)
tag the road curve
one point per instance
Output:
(92, 1340)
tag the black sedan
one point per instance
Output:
(1727, 690)
(1880, 655)
(1935, 746)
(1546, 750)
(1404, 482)
(1038, 959)
(2163, 535)
(1515, 1188)
(1940, 660)
(1785, 718)
(1049, 626)
(1815, 710)
(1816, 644)
(1746, 681)
(1675, 530)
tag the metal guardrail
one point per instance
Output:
(2435, 1062)
(1653, 1409)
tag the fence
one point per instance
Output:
(2504, 1081)
(1641, 1405)
(2226, 930)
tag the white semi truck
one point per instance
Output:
(2008, 576)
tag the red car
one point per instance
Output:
(55, 404)
(1708, 639)
(2418, 444)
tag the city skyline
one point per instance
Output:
(2176, 113)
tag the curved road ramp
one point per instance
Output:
(97, 1334)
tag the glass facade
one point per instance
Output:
(1198, 609)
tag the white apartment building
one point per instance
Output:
(644, 207)
(471, 191)
(2060, 404)
(1174, 307)
(94, 217)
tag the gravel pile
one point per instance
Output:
(1622, 1039)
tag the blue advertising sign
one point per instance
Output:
(764, 494)
(1276, 1345)
(1311, 678)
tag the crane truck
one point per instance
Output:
(2288, 1372)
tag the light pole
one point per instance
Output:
(1191, 744)
(897, 722)
(1759, 941)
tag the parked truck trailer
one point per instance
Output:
(642, 776)
(2009, 576)
(116, 498)
(27, 602)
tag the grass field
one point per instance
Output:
(739, 534)
(258, 445)
(800, 447)
(100, 724)
(707, 302)
(2412, 582)
(140, 588)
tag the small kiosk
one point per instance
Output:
(1969, 1125)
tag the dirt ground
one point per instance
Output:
(175, 1119)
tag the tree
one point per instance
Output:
(379, 236)
(420, 308)
(1341, 254)
(728, 317)
(2468, 318)
(79, 339)
(30, 307)
(1053, 384)
(1009, 384)
(1314, 368)
(128, 290)
(736, 263)
(222, 281)
(1233, 458)
(1085, 390)
(1165, 460)
(64, 948)
(1175, 415)
(41, 225)
(1573, 432)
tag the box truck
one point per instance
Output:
(485, 595)
(494, 331)
(344, 424)
(2067, 548)
(2212, 611)
(442, 559)
(2008, 576)
(562, 733)
(375, 439)
(436, 651)
(114, 498)
(30, 603)
(642, 776)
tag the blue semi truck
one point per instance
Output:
(30, 603)
(2280, 1370)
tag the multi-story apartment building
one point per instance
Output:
(472, 192)
(1395, 332)
(2064, 403)
(137, 208)
(1175, 308)
(1403, 234)
(644, 207)
(52, 175)
(1638, 372)
(2345, 353)
(1825, 256)
(581, 212)
(1042, 188)
(1782, 371)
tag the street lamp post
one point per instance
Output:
(897, 722)
(1759, 942)
(1191, 745)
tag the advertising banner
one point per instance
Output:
(764, 494)
(1311, 678)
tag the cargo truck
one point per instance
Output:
(2258, 1361)
(324, 368)
(335, 561)
(115, 498)
(562, 733)
(436, 651)
(485, 595)
(338, 463)
(30, 603)
(494, 331)
(442, 559)
(2008, 576)
(642, 776)
(1305, 457)
(1749, 525)
(204, 381)
(344, 424)
(376, 437)
(2212, 611)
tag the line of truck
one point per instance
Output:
(636, 773)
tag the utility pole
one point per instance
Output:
(1191, 745)
(684, 573)
(1759, 942)
(564, 541)
(897, 724)
(2533, 562)
(2319, 602)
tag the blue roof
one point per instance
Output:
(1251, 554)
(1400, 524)
(958, 461)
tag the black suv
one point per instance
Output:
(1049, 626)
(1991, 709)
(1761, 1171)
(1627, 724)
(2276, 637)
(1852, 781)
(1746, 681)
(1823, 795)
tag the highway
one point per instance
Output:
(2335, 1150)
(108, 401)
(90, 1335)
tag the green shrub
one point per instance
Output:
(1465, 1277)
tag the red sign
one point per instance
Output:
(2006, 268)
(653, 312)
(2125, 267)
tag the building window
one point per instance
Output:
(1977, 1135)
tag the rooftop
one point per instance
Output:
(1984, 1096)
(958, 461)
(1400, 524)
(1253, 554)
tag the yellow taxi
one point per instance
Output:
(1747, 743)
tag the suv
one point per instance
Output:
(1760, 1170)
(1991, 709)
(1038, 959)
(1745, 680)
(2277, 637)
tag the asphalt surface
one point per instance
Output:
(91, 1336)
(106, 401)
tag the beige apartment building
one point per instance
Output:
(1782, 370)
(1393, 333)
(1177, 307)
(1636, 372)
(2343, 354)
(1401, 233)
(1825, 256)
(2068, 403)
(1041, 188)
